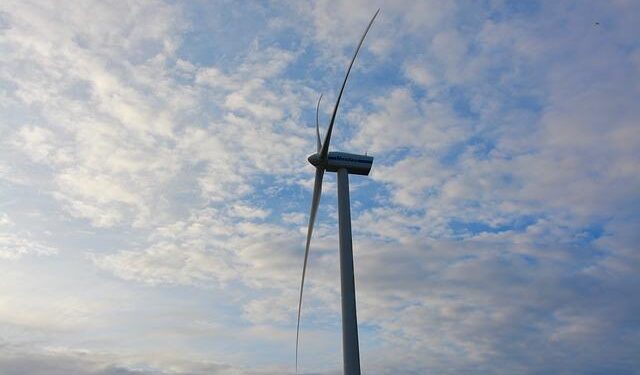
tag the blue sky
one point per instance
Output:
(154, 188)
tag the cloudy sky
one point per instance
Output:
(154, 188)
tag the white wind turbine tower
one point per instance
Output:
(342, 163)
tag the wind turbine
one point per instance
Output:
(343, 163)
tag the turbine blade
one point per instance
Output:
(317, 191)
(327, 138)
(318, 126)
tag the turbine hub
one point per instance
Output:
(314, 159)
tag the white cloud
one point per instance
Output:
(58, 361)
(403, 121)
(248, 212)
(15, 244)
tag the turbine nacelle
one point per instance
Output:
(353, 163)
